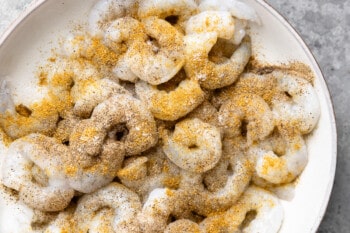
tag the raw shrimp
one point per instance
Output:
(95, 93)
(62, 223)
(249, 84)
(183, 225)
(122, 32)
(174, 11)
(220, 22)
(207, 113)
(156, 210)
(301, 110)
(237, 9)
(151, 171)
(247, 109)
(238, 172)
(174, 104)
(279, 169)
(119, 36)
(87, 175)
(210, 74)
(25, 157)
(196, 198)
(124, 203)
(18, 121)
(159, 58)
(105, 11)
(194, 145)
(268, 219)
(141, 131)
(123, 71)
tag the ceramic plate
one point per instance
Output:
(29, 41)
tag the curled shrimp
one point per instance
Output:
(206, 112)
(175, 11)
(212, 75)
(151, 171)
(124, 204)
(105, 11)
(18, 121)
(183, 225)
(62, 223)
(220, 22)
(120, 35)
(194, 145)
(87, 174)
(247, 109)
(281, 168)
(65, 127)
(30, 169)
(238, 171)
(237, 9)
(266, 206)
(301, 110)
(196, 198)
(174, 104)
(122, 32)
(241, 13)
(156, 210)
(159, 58)
(140, 132)
(95, 93)
(249, 84)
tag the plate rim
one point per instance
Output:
(316, 67)
(34, 5)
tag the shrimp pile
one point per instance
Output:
(157, 119)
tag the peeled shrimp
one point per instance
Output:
(119, 36)
(183, 225)
(220, 22)
(51, 193)
(146, 173)
(16, 124)
(123, 71)
(88, 174)
(174, 104)
(249, 84)
(279, 169)
(194, 145)
(302, 110)
(237, 181)
(124, 203)
(62, 223)
(122, 32)
(105, 11)
(195, 197)
(95, 93)
(142, 133)
(237, 8)
(251, 108)
(268, 219)
(156, 210)
(212, 75)
(159, 59)
(179, 10)
(206, 112)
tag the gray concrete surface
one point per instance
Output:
(325, 26)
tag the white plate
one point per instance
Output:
(29, 41)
